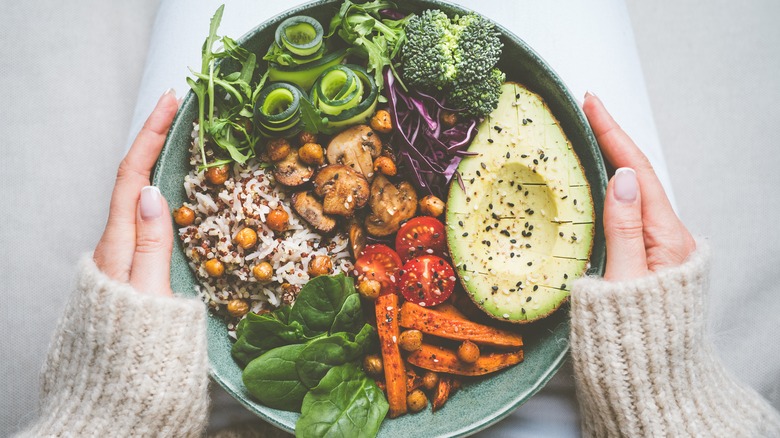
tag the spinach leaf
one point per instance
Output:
(272, 379)
(322, 354)
(319, 301)
(345, 403)
(350, 317)
(258, 334)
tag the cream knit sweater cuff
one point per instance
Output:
(124, 363)
(643, 365)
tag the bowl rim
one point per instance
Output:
(589, 138)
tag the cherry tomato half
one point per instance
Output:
(427, 280)
(422, 235)
(379, 262)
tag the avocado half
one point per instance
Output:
(522, 230)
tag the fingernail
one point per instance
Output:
(150, 203)
(589, 94)
(626, 186)
(170, 91)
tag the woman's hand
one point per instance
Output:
(137, 242)
(642, 230)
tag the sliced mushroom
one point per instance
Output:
(357, 238)
(310, 209)
(390, 205)
(342, 188)
(291, 171)
(356, 147)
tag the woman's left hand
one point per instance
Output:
(136, 245)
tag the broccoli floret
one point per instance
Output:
(478, 48)
(427, 56)
(457, 57)
(478, 98)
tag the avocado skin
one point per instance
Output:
(522, 231)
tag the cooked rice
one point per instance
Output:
(244, 201)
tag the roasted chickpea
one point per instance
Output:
(246, 238)
(381, 122)
(369, 289)
(410, 340)
(311, 153)
(430, 380)
(431, 206)
(237, 308)
(217, 175)
(184, 216)
(372, 365)
(468, 352)
(320, 265)
(278, 149)
(385, 165)
(307, 137)
(263, 272)
(416, 401)
(214, 268)
(277, 220)
(449, 119)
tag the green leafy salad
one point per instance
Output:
(306, 358)
(383, 87)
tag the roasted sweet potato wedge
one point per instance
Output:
(431, 357)
(442, 393)
(441, 324)
(386, 307)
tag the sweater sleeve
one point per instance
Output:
(644, 368)
(124, 363)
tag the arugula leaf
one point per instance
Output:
(273, 380)
(378, 40)
(219, 118)
(345, 403)
(312, 118)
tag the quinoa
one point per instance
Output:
(242, 201)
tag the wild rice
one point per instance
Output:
(244, 201)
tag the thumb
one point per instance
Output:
(150, 271)
(626, 256)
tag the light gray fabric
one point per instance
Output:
(712, 75)
(72, 71)
(70, 74)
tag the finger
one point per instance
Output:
(626, 254)
(150, 271)
(114, 252)
(136, 167)
(667, 241)
(621, 151)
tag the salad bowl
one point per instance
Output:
(481, 402)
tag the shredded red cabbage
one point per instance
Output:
(392, 14)
(424, 151)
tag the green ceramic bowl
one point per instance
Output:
(481, 402)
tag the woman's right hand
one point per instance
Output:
(138, 239)
(643, 232)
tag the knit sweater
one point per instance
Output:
(136, 365)
(644, 368)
